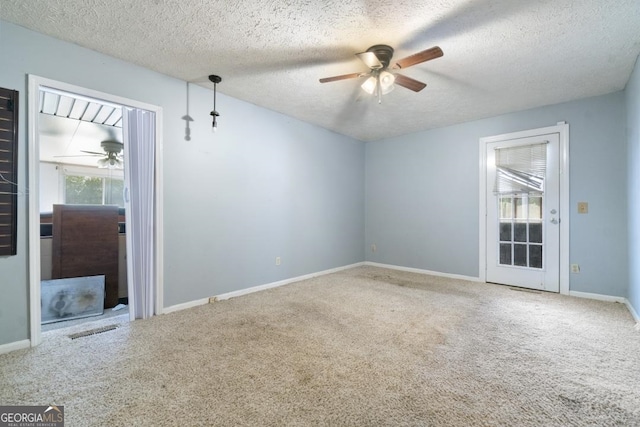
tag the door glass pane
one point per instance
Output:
(535, 232)
(535, 207)
(505, 253)
(520, 232)
(521, 213)
(505, 231)
(535, 256)
(506, 207)
(520, 255)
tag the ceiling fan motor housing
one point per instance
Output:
(383, 52)
(111, 146)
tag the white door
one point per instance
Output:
(522, 221)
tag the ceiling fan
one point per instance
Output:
(110, 158)
(381, 80)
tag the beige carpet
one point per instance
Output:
(363, 347)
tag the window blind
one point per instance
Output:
(521, 169)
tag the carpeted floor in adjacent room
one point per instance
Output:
(362, 347)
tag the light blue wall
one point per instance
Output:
(422, 193)
(265, 185)
(632, 92)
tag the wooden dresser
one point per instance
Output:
(85, 243)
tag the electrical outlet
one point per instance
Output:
(278, 260)
(583, 207)
(374, 248)
(575, 268)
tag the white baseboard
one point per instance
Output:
(253, 289)
(13, 346)
(420, 271)
(633, 311)
(25, 344)
(599, 297)
(283, 282)
(185, 305)
(608, 298)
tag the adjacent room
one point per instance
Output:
(83, 268)
(360, 213)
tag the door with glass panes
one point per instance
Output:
(523, 233)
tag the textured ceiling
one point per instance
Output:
(499, 55)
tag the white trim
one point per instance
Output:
(258, 288)
(159, 219)
(482, 212)
(562, 129)
(33, 88)
(565, 208)
(13, 346)
(80, 170)
(608, 298)
(185, 305)
(420, 271)
(33, 154)
(632, 310)
(599, 297)
(253, 289)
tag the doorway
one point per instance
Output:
(87, 184)
(81, 194)
(524, 209)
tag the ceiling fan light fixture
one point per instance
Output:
(109, 163)
(369, 85)
(386, 82)
(380, 83)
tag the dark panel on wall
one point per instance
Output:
(8, 171)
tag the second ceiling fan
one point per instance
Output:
(111, 158)
(381, 81)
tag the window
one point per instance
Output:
(521, 230)
(92, 187)
(519, 185)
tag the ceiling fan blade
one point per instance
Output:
(409, 83)
(370, 60)
(92, 152)
(342, 77)
(417, 58)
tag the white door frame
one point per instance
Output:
(33, 93)
(562, 129)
